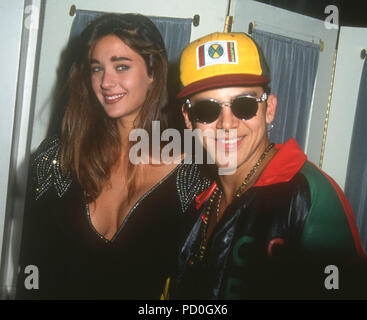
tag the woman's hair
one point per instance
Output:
(90, 140)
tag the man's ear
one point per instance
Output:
(186, 117)
(271, 108)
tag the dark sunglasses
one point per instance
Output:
(206, 111)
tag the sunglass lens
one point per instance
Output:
(244, 107)
(206, 111)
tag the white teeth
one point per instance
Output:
(229, 141)
(114, 96)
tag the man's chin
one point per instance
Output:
(227, 166)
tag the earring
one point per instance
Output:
(269, 127)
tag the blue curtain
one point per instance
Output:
(293, 66)
(356, 180)
(176, 32)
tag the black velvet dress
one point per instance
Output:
(75, 262)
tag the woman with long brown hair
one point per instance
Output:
(96, 225)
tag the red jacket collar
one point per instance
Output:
(285, 164)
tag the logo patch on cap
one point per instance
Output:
(216, 52)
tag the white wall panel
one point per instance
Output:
(344, 102)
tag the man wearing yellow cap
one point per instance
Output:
(277, 226)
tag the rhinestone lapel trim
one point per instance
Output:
(48, 170)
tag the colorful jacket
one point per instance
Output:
(281, 239)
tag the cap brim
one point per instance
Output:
(228, 80)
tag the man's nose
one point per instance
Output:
(227, 120)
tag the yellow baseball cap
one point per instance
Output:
(221, 60)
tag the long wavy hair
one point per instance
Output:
(90, 140)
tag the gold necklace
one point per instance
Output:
(205, 225)
(252, 172)
(205, 217)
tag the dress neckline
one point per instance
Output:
(132, 209)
